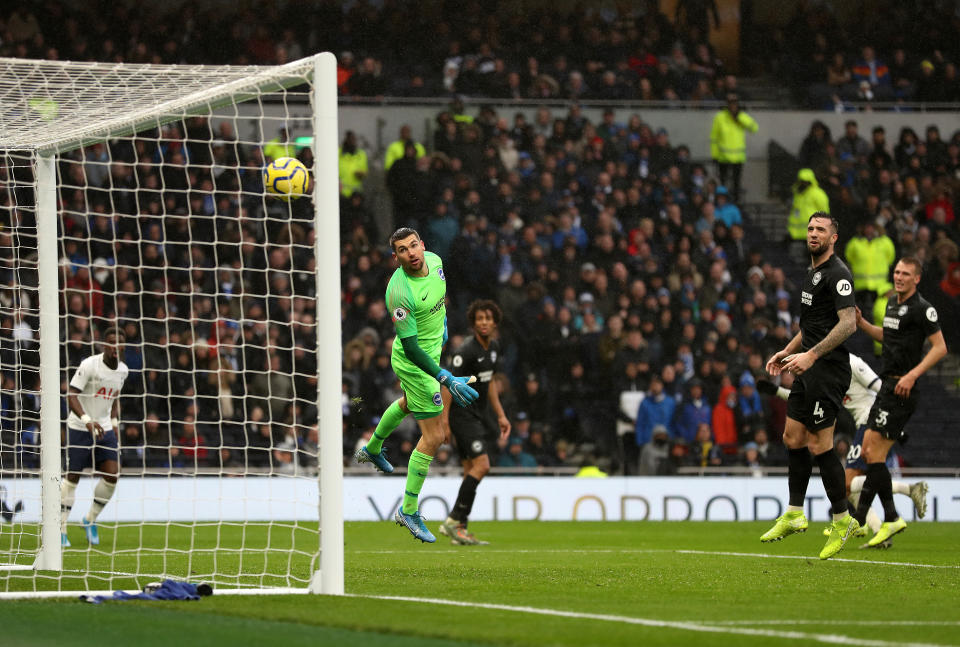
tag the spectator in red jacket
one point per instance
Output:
(942, 201)
(724, 415)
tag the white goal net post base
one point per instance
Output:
(62, 123)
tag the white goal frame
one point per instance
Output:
(46, 143)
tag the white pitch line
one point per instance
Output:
(864, 623)
(832, 639)
(835, 559)
(631, 551)
(589, 551)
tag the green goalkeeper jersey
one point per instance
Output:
(418, 308)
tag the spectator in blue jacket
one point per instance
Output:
(656, 409)
(516, 455)
(751, 407)
(695, 411)
(725, 211)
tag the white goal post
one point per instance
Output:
(241, 333)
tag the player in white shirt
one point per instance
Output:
(863, 389)
(92, 431)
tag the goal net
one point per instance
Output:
(132, 196)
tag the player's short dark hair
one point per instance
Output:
(117, 333)
(400, 234)
(823, 214)
(484, 305)
(915, 262)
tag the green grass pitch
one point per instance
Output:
(538, 583)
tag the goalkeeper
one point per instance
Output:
(416, 298)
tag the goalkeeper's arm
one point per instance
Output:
(463, 394)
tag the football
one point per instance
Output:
(286, 177)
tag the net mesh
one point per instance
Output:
(166, 232)
(19, 357)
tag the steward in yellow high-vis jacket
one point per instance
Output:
(728, 143)
(870, 256)
(808, 197)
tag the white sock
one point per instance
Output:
(794, 508)
(101, 496)
(873, 521)
(857, 484)
(899, 487)
(68, 493)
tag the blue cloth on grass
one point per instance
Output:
(168, 590)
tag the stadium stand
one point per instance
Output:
(600, 240)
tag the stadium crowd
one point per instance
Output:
(169, 235)
(639, 306)
(601, 54)
(898, 52)
(639, 302)
(895, 52)
(620, 267)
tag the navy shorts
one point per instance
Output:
(81, 449)
(855, 460)
(472, 435)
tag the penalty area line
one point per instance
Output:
(832, 639)
(721, 553)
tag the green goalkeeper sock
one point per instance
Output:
(388, 422)
(416, 475)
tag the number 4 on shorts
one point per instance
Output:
(817, 410)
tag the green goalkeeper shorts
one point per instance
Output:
(422, 391)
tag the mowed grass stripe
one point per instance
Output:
(28, 624)
(650, 622)
(617, 569)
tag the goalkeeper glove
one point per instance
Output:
(766, 387)
(463, 394)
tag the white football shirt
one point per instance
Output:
(864, 385)
(99, 386)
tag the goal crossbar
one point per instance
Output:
(43, 110)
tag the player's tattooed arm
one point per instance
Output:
(845, 327)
